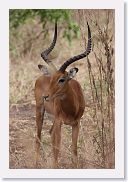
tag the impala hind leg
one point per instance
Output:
(75, 132)
(39, 122)
(56, 139)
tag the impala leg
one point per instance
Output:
(39, 122)
(56, 139)
(75, 132)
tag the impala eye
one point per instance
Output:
(61, 80)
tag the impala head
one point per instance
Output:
(60, 78)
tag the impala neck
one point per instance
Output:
(66, 104)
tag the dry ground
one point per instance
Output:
(22, 141)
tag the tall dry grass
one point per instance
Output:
(101, 72)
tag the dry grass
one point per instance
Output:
(101, 77)
(96, 138)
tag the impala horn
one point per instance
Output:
(80, 56)
(45, 53)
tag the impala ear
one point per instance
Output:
(44, 69)
(72, 72)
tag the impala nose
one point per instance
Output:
(46, 97)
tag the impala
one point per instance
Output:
(57, 93)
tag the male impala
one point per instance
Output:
(57, 93)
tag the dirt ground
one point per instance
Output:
(22, 141)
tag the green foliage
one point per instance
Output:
(19, 17)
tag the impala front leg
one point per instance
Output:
(56, 139)
(39, 122)
(75, 132)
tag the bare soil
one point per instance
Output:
(22, 141)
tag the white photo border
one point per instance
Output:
(118, 172)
